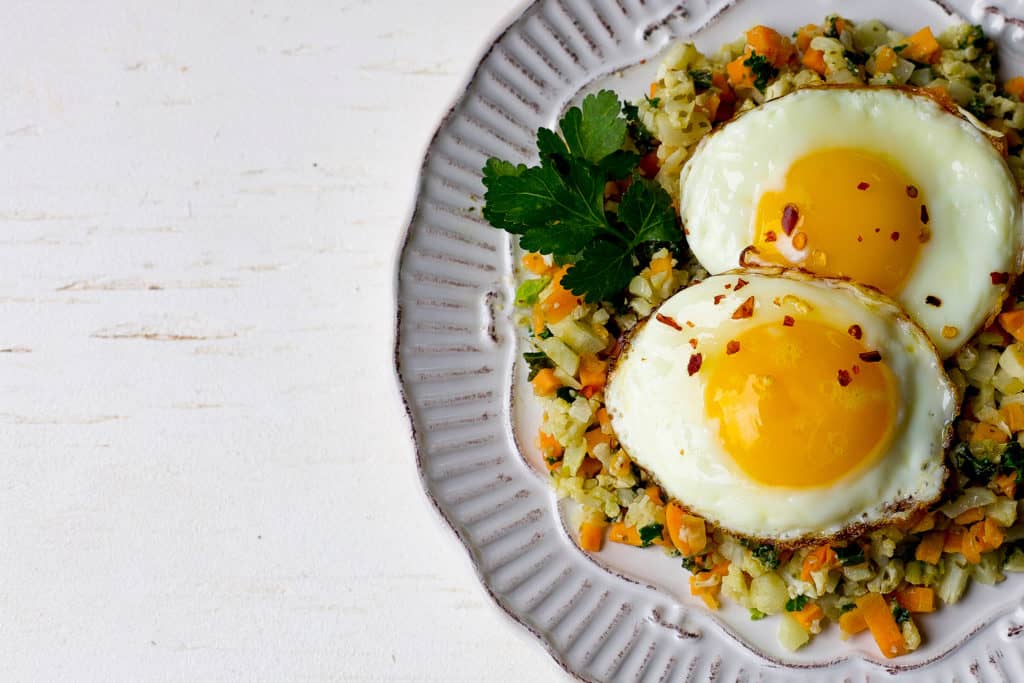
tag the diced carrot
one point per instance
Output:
(589, 468)
(912, 520)
(549, 446)
(916, 599)
(595, 437)
(725, 93)
(941, 95)
(993, 534)
(885, 59)
(771, 44)
(983, 431)
(1007, 484)
(537, 319)
(954, 540)
(649, 164)
(882, 624)
(705, 585)
(815, 60)
(810, 613)
(852, 622)
(654, 493)
(711, 106)
(559, 303)
(931, 546)
(686, 532)
(822, 557)
(926, 523)
(545, 383)
(740, 76)
(1013, 416)
(662, 264)
(604, 419)
(591, 536)
(618, 532)
(922, 47)
(1013, 322)
(973, 543)
(654, 89)
(1015, 86)
(722, 568)
(805, 35)
(535, 263)
(593, 372)
(970, 516)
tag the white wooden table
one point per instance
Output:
(208, 475)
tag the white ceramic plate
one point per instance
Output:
(623, 614)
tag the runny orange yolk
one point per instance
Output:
(783, 412)
(845, 212)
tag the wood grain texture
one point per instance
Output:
(208, 474)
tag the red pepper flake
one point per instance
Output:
(860, 238)
(732, 347)
(878, 230)
(933, 301)
(740, 284)
(787, 321)
(745, 310)
(999, 278)
(694, 365)
(718, 298)
(770, 236)
(689, 323)
(870, 356)
(924, 214)
(862, 186)
(855, 331)
(790, 217)
(911, 191)
(924, 235)
(693, 343)
(665, 320)
(856, 369)
(895, 236)
(728, 285)
(844, 377)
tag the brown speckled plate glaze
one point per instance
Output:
(622, 614)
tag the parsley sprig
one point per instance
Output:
(558, 207)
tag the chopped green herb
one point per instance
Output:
(756, 614)
(701, 79)
(850, 555)
(567, 394)
(977, 106)
(529, 290)
(767, 555)
(899, 48)
(900, 613)
(855, 57)
(1012, 460)
(975, 37)
(846, 607)
(551, 461)
(544, 334)
(975, 469)
(761, 68)
(796, 604)
(537, 361)
(649, 533)
(642, 138)
(693, 564)
(832, 31)
(653, 101)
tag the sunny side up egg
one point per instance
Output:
(782, 407)
(880, 185)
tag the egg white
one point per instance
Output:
(658, 413)
(972, 198)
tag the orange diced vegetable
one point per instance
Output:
(930, 548)
(926, 523)
(711, 106)
(537, 319)
(815, 60)
(722, 568)
(882, 624)
(686, 532)
(654, 493)
(604, 419)
(805, 35)
(559, 303)
(535, 263)
(1007, 484)
(1015, 86)
(852, 622)
(810, 613)
(591, 536)
(662, 264)
(654, 89)
(993, 534)
(593, 372)
(1013, 322)
(589, 468)
(769, 43)
(740, 76)
(618, 532)
(822, 557)
(705, 585)
(595, 437)
(1013, 416)
(922, 47)
(549, 446)
(941, 95)
(726, 94)
(970, 516)
(545, 383)
(973, 543)
(983, 431)
(916, 599)
(885, 59)
(954, 540)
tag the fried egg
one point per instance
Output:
(881, 186)
(781, 406)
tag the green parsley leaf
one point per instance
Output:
(756, 614)
(653, 101)
(549, 144)
(567, 394)
(846, 607)
(975, 469)
(529, 290)
(595, 131)
(767, 555)
(619, 164)
(603, 270)
(646, 209)
(690, 564)
(975, 37)
(899, 48)
(649, 533)
(642, 138)
(850, 555)
(701, 78)
(1012, 460)
(761, 68)
(796, 604)
(977, 106)
(537, 361)
(901, 614)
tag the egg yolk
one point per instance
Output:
(846, 213)
(799, 406)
